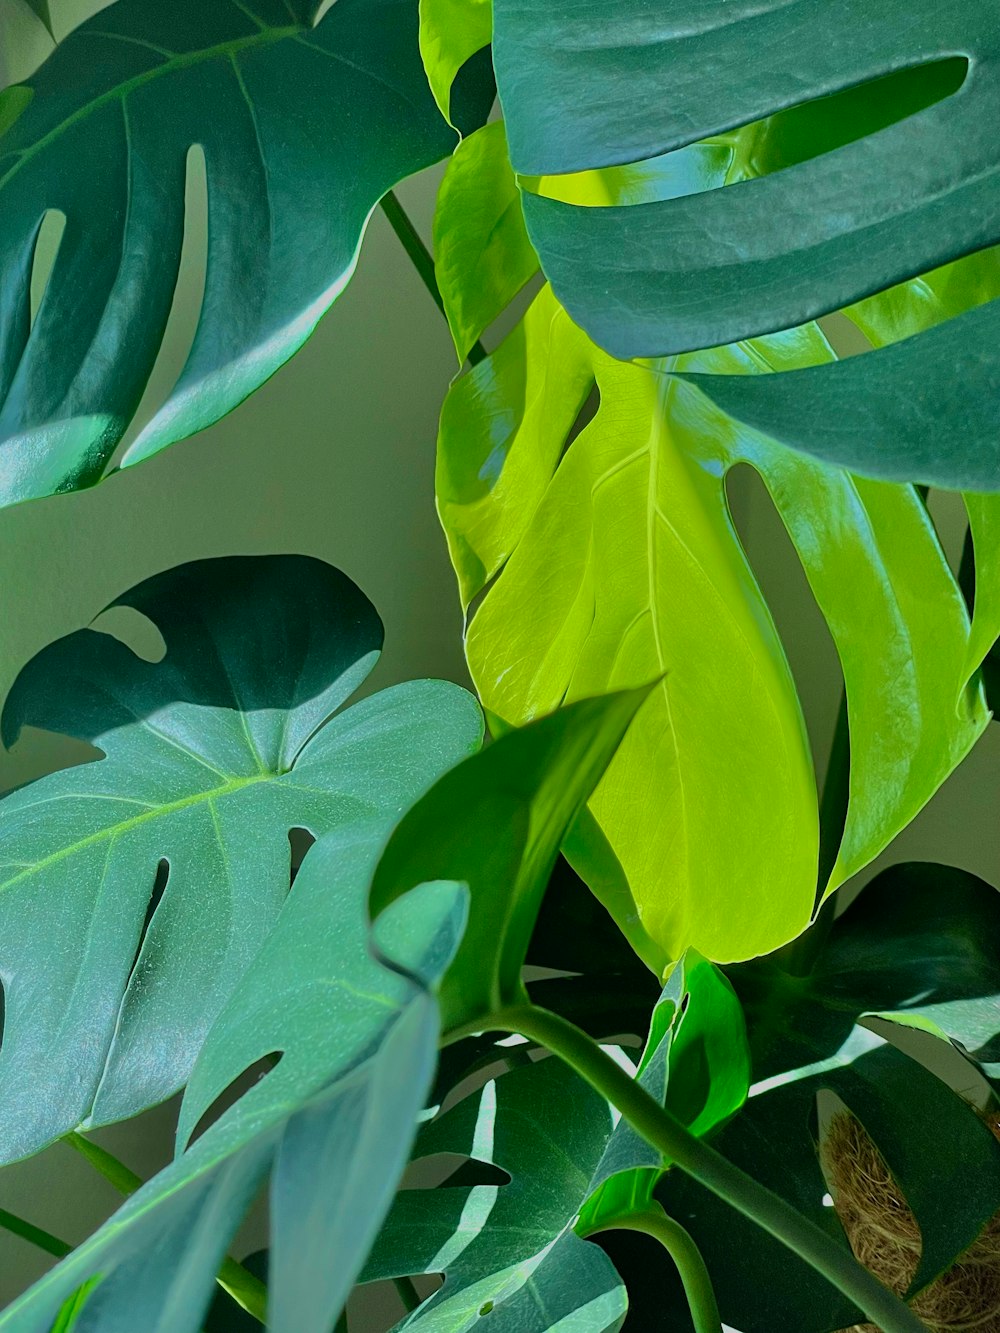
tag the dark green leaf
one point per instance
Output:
(919, 943)
(212, 756)
(495, 823)
(303, 130)
(509, 1246)
(583, 90)
(867, 138)
(359, 1044)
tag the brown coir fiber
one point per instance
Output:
(885, 1237)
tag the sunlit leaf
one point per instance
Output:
(211, 756)
(303, 129)
(358, 1043)
(508, 1250)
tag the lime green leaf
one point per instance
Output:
(523, 402)
(358, 1043)
(509, 1250)
(451, 32)
(211, 756)
(919, 943)
(105, 139)
(495, 823)
(697, 1064)
(483, 255)
(650, 578)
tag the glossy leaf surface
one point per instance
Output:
(211, 756)
(101, 135)
(451, 32)
(860, 168)
(508, 1251)
(919, 943)
(697, 1064)
(495, 822)
(609, 556)
(482, 253)
(358, 1043)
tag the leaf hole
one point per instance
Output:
(230, 1095)
(135, 630)
(159, 888)
(186, 307)
(299, 842)
(785, 139)
(47, 243)
(801, 627)
(487, 1308)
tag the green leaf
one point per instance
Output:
(451, 32)
(495, 823)
(583, 91)
(277, 105)
(211, 756)
(358, 1042)
(920, 945)
(886, 175)
(509, 1250)
(42, 10)
(483, 255)
(609, 556)
(696, 1064)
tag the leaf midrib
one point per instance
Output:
(112, 831)
(184, 60)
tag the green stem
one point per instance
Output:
(422, 260)
(126, 1182)
(408, 1293)
(685, 1253)
(704, 1164)
(236, 1281)
(44, 1240)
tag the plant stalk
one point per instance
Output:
(685, 1253)
(236, 1281)
(422, 261)
(43, 1240)
(704, 1164)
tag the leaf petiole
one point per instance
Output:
(679, 1244)
(703, 1163)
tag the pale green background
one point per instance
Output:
(335, 458)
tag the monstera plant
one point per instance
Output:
(567, 1029)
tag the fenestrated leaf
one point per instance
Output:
(482, 253)
(651, 578)
(696, 1064)
(451, 32)
(508, 1251)
(495, 822)
(212, 756)
(920, 942)
(359, 1044)
(580, 91)
(303, 130)
(868, 137)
